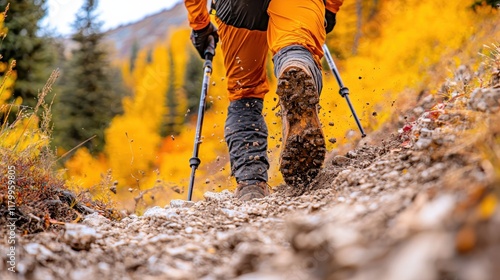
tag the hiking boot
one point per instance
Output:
(299, 85)
(249, 191)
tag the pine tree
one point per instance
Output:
(133, 55)
(169, 125)
(31, 50)
(89, 98)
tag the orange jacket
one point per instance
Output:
(197, 13)
(199, 18)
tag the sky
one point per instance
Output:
(61, 13)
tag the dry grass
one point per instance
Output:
(42, 200)
(31, 191)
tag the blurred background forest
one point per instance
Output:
(124, 106)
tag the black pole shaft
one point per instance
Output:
(194, 162)
(344, 91)
(355, 116)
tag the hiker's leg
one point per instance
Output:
(242, 25)
(296, 34)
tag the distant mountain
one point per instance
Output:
(146, 32)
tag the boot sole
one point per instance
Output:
(304, 147)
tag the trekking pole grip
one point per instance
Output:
(210, 51)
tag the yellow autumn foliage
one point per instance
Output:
(24, 137)
(399, 50)
(85, 168)
(416, 40)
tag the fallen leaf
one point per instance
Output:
(487, 207)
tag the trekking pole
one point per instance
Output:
(344, 92)
(194, 162)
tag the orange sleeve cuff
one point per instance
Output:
(198, 16)
(333, 5)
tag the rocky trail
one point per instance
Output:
(415, 200)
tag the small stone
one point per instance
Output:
(40, 251)
(351, 154)
(354, 194)
(179, 203)
(366, 186)
(393, 175)
(95, 220)
(79, 237)
(434, 213)
(158, 212)
(423, 143)
(340, 160)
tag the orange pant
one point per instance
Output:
(291, 22)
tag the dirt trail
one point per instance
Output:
(417, 204)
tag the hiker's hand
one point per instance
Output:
(200, 38)
(330, 21)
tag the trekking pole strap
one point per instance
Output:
(209, 52)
